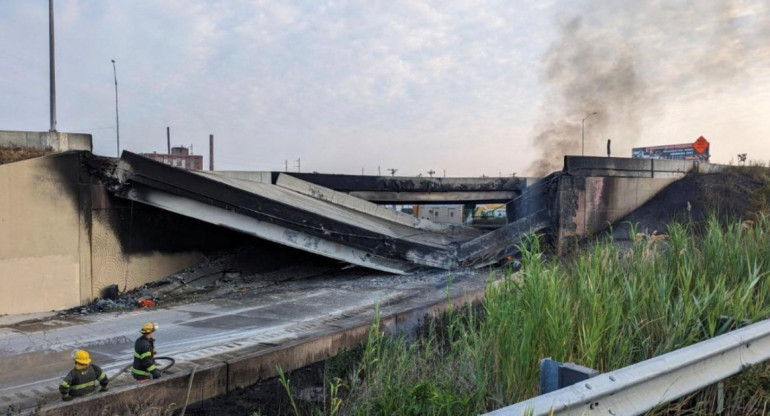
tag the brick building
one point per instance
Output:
(180, 157)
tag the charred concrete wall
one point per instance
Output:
(588, 205)
(63, 239)
(134, 243)
(119, 252)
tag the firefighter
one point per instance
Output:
(83, 379)
(144, 354)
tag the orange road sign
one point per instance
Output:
(700, 145)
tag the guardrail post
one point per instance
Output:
(549, 375)
(555, 375)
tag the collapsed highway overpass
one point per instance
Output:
(306, 216)
(80, 223)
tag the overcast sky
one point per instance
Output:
(470, 87)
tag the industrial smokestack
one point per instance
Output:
(211, 152)
(608, 147)
(168, 139)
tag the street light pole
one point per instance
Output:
(583, 134)
(51, 66)
(117, 120)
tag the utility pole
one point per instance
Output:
(286, 168)
(168, 139)
(52, 66)
(378, 171)
(117, 120)
(392, 171)
(583, 134)
(445, 173)
(362, 171)
(298, 165)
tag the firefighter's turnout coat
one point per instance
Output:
(82, 380)
(144, 359)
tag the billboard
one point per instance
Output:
(685, 151)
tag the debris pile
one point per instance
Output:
(126, 302)
(212, 277)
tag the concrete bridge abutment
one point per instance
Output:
(594, 193)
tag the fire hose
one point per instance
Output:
(161, 369)
(171, 364)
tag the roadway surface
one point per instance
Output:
(36, 354)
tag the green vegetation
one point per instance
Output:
(606, 308)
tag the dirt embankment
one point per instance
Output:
(10, 154)
(738, 193)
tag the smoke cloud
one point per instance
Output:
(627, 62)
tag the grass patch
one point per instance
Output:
(605, 308)
(10, 154)
(753, 181)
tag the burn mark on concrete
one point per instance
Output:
(141, 229)
(602, 211)
(568, 209)
(87, 180)
(69, 168)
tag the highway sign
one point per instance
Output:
(700, 145)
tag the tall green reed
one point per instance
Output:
(607, 307)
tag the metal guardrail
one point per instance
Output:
(640, 387)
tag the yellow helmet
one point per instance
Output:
(82, 357)
(149, 328)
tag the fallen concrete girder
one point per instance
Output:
(266, 230)
(496, 245)
(315, 219)
(436, 197)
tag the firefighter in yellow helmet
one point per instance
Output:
(83, 379)
(144, 354)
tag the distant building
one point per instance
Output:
(445, 214)
(180, 157)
